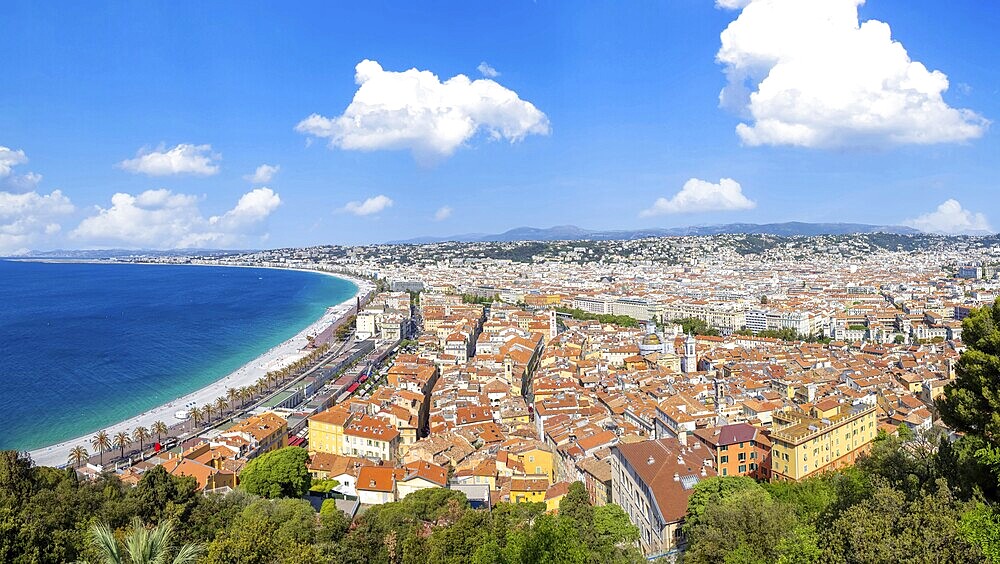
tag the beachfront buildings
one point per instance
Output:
(829, 436)
(652, 481)
(257, 434)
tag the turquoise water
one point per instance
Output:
(83, 346)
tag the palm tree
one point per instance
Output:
(142, 545)
(140, 434)
(232, 394)
(78, 455)
(196, 415)
(101, 442)
(122, 440)
(220, 405)
(160, 428)
(207, 410)
(245, 395)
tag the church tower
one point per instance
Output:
(689, 363)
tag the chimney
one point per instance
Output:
(680, 459)
(650, 460)
(677, 477)
(703, 471)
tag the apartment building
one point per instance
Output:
(804, 444)
(652, 481)
(339, 430)
(737, 450)
(257, 434)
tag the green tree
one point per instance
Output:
(334, 523)
(981, 527)
(696, 326)
(576, 505)
(160, 496)
(278, 530)
(886, 528)
(713, 491)
(736, 523)
(971, 403)
(280, 473)
(615, 535)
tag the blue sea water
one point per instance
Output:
(83, 346)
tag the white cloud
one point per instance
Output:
(369, 206)
(702, 196)
(10, 158)
(731, 4)
(443, 213)
(414, 110)
(253, 207)
(161, 219)
(950, 218)
(30, 219)
(181, 159)
(263, 174)
(811, 74)
(486, 70)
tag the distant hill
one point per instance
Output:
(96, 254)
(572, 232)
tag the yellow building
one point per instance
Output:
(326, 430)
(529, 458)
(528, 490)
(804, 444)
(554, 496)
(339, 430)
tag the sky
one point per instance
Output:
(260, 125)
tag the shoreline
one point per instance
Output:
(276, 357)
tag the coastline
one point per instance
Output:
(274, 358)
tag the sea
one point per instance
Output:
(84, 346)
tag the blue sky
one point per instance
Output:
(603, 115)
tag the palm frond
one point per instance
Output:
(188, 554)
(104, 538)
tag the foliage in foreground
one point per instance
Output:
(49, 515)
(896, 505)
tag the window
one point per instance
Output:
(724, 447)
(725, 472)
(724, 460)
(742, 456)
(743, 468)
(753, 455)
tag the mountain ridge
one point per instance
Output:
(572, 232)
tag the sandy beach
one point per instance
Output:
(281, 355)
